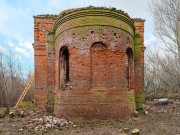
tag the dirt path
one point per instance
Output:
(160, 120)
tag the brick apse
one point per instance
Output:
(89, 63)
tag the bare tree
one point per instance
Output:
(162, 67)
(161, 74)
(166, 15)
(13, 78)
(3, 79)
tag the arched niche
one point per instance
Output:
(98, 65)
(63, 67)
(129, 67)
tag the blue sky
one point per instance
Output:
(16, 21)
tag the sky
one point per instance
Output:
(16, 21)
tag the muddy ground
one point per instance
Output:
(153, 119)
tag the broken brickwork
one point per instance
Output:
(89, 63)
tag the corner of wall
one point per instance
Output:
(42, 25)
(139, 62)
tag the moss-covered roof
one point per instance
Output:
(66, 12)
(95, 12)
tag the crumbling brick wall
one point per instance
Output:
(92, 58)
(42, 59)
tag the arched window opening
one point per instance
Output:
(64, 66)
(129, 66)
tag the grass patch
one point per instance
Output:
(1, 131)
(27, 104)
(139, 99)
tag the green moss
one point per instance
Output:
(127, 99)
(139, 99)
(50, 103)
(137, 46)
(51, 37)
(110, 98)
(69, 11)
(51, 41)
(1, 131)
(113, 8)
(93, 17)
(101, 90)
(137, 51)
(137, 39)
(131, 100)
(98, 98)
(28, 104)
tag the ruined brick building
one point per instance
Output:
(89, 63)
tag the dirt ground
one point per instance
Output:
(153, 119)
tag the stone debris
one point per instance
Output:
(20, 129)
(11, 114)
(135, 131)
(36, 128)
(6, 111)
(146, 112)
(126, 130)
(19, 113)
(48, 122)
(146, 107)
(136, 114)
(2, 115)
(163, 101)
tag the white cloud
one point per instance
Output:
(16, 18)
(2, 49)
(26, 44)
(15, 21)
(22, 52)
(151, 40)
(10, 43)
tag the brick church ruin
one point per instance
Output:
(89, 63)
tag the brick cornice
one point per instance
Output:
(39, 46)
(93, 12)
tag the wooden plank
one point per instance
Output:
(25, 91)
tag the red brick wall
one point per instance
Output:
(139, 61)
(98, 85)
(99, 65)
(42, 25)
